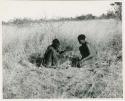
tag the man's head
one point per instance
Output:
(81, 38)
(56, 43)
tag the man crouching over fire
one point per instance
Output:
(52, 54)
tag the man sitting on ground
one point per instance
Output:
(86, 50)
(52, 54)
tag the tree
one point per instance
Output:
(82, 17)
(85, 17)
(117, 9)
(110, 14)
(90, 16)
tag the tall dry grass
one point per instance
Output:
(102, 79)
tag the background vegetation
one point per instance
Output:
(101, 79)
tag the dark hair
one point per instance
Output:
(55, 41)
(81, 37)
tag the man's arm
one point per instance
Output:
(66, 50)
(48, 57)
(61, 52)
(92, 52)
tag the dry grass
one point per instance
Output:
(102, 79)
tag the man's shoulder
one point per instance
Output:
(50, 48)
(87, 42)
(80, 47)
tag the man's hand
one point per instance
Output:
(80, 63)
(83, 60)
(68, 48)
